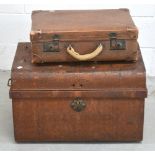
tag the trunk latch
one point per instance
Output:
(52, 46)
(78, 104)
(116, 44)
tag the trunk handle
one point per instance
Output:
(9, 82)
(76, 55)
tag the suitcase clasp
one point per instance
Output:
(116, 44)
(52, 46)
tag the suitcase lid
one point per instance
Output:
(82, 25)
(96, 79)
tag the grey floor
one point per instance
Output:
(7, 138)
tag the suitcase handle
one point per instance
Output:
(84, 57)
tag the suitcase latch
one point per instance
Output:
(52, 46)
(116, 44)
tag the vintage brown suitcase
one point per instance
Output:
(78, 102)
(94, 35)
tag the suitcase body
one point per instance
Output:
(78, 102)
(92, 35)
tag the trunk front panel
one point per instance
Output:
(100, 120)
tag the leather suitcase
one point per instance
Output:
(92, 35)
(79, 102)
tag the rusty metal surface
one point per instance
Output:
(101, 120)
(90, 29)
(42, 95)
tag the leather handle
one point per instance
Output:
(84, 57)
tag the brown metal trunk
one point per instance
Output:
(77, 102)
(53, 32)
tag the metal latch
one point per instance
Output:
(9, 82)
(116, 44)
(78, 104)
(52, 46)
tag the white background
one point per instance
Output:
(15, 25)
